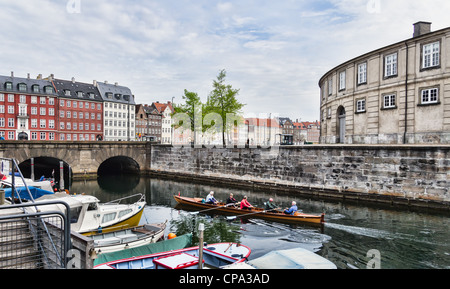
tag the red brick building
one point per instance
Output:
(28, 108)
(80, 111)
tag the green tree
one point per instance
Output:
(185, 114)
(222, 100)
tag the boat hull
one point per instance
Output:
(214, 255)
(128, 238)
(132, 221)
(254, 213)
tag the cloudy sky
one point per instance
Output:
(273, 51)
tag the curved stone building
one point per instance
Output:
(364, 100)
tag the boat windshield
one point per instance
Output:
(74, 214)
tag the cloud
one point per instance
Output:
(274, 51)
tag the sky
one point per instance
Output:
(274, 52)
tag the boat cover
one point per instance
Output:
(297, 258)
(35, 192)
(177, 243)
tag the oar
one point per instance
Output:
(218, 207)
(254, 213)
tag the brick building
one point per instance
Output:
(80, 115)
(28, 108)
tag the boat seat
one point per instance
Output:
(127, 238)
(107, 241)
(152, 228)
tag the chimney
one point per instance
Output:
(39, 76)
(28, 76)
(12, 73)
(421, 28)
(116, 84)
(95, 83)
(73, 79)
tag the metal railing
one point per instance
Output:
(29, 237)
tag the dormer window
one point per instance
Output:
(126, 97)
(91, 95)
(8, 85)
(22, 87)
(109, 95)
(35, 88)
(67, 92)
(79, 93)
(118, 96)
(48, 89)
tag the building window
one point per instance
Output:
(8, 85)
(362, 73)
(48, 89)
(33, 135)
(390, 65)
(361, 105)
(22, 87)
(35, 88)
(430, 56)
(11, 122)
(10, 97)
(342, 80)
(430, 96)
(43, 136)
(43, 123)
(42, 100)
(389, 101)
(330, 86)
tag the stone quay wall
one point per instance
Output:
(412, 175)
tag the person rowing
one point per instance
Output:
(210, 199)
(231, 201)
(245, 205)
(292, 209)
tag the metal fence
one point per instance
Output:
(34, 240)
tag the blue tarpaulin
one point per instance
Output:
(23, 193)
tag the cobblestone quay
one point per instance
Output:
(412, 176)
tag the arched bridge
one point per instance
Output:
(84, 158)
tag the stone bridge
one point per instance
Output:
(84, 158)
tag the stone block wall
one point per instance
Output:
(388, 173)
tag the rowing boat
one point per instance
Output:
(276, 216)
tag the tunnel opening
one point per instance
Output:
(117, 166)
(48, 168)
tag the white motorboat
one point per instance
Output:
(89, 217)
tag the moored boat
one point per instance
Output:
(296, 258)
(253, 213)
(90, 217)
(214, 256)
(128, 238)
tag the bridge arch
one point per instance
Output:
(119, 165)
(47, 167)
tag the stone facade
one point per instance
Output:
(399, 94)
(401, 174)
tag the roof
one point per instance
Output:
(29, 82)
(75, 87)
(161, 107)
(268, 122)
(115, 93)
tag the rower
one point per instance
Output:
(210, 198)
(292, 209)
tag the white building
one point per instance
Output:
(119, 112)
(166, 110)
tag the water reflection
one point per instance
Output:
(216, 231)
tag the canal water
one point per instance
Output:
(354, 236)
